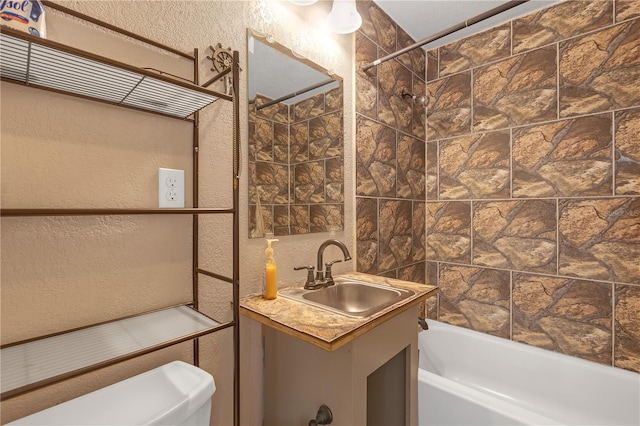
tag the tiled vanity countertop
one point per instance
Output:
(323, 328)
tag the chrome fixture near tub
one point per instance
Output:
(323, 279)
(421, 100)
(422, 322)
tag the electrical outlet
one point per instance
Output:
(170, 188)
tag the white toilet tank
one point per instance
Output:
(173, 394)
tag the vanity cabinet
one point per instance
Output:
(371, 380)
(364, 369)
(54, 66)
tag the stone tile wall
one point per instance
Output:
(296, 157)
(533, 180)
(390, 152)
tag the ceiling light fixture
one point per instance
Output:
(344, 17)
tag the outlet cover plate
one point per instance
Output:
(170, 188)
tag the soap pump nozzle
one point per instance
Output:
(268, 252)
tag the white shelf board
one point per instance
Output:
(44, 359)
(50, 66)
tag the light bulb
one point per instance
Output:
(344, 17)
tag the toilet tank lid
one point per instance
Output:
(168, 394)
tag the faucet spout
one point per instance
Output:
(345, 252)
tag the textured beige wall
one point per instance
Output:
(59, 151)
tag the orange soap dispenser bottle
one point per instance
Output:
(270, 281)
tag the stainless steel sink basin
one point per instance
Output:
(353, 298)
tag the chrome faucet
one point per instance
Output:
(325, 278)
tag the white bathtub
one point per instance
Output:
(472, 378)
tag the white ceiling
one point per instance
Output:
(424, 18)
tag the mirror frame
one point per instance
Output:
(296, 156)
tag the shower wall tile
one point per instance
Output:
(251, 141)
(516, 235)
(308, 186)
(449, 112)
(627, 327)
(567, 158)
(516, 91)
(600, 71)
(560, 22)
(449, 231)
(390, 151)
(475, 166)
(419, 231)
(627, 137)
(627, 9)
(281, 220)
(262, 140)
(411, 168)
(419, 116)
(415, 59)
(393, 79)
(389, 274)
(433, 72)
(431, 304)
(278, 112)
(413, 273)
(377, 25)
(325, 136)
(600, 239)
(281, 143)
(475, 298)
(271, 181)
(326, 217)
(367, 235)
(396, 234)
(299, 142)
(334, 180)
(308, 108)
(299, 219)
(375, 159)
(476, 50)
(432, 273)
(432, 171)
(565, 315)
(334, 100)
(366, 82)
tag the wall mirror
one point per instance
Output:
(296, 142)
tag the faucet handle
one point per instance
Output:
(310, 269)
(327, 275)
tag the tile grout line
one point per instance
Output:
(471, 102)
(557, 80)
(511, 163)
(557, 237)
(614, 181)
(437, 171)
(574, 197)
(471, 233)
(536, 124)
(613, 324)
(542, 274)
(511, 305)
